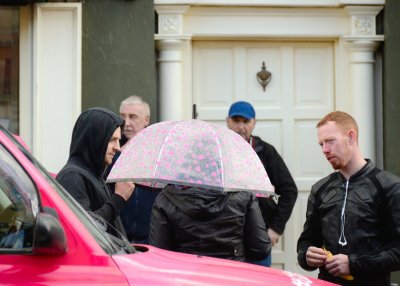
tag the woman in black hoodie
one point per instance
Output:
(95, 140)
(210, 223)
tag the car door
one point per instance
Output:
(27, 255)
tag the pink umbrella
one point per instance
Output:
(192, 153)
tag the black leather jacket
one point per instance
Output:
(371, 225)
(210, 223)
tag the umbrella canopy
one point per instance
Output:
(191, 153)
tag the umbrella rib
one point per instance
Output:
(161, 150)
(220, 157)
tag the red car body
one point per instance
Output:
(46, 238)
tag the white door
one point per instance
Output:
(300, 92)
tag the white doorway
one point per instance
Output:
(300, 92)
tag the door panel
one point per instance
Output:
(301, 92)
(215, 78)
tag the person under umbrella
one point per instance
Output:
(211, 177)
(209, 222)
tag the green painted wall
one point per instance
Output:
(391, 86)
(391, 92)
(118, 56)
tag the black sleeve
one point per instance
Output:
(160, 231)
(84, 192)
(256, 240)
(284, 185)
(389, 258)
(111, 208)
(76, 185)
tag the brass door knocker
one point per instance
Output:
(264, 76)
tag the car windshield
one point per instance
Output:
(19, 205)
(110, 244)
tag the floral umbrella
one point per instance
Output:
(191, 153)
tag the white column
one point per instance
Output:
(170, 44)
(56, 91)
(362, 91)
(362, 44)
(170, 79)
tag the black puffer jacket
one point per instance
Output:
(283, 182)
(82, 176)
(211, 223)
(371, 225)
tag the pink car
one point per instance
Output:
(46, 238)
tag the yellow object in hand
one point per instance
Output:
(345, 276)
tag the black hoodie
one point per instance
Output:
(211, 223)
(82, 176)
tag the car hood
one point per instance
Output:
(154, 266)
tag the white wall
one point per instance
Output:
(50, 79)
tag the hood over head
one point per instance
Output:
(91, 135)
(198, 203)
